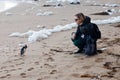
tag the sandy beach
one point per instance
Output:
(52, 58)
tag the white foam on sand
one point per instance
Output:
(108, 21)
(34, 36)
(70, 1)
(107, 5)
(46, 13)
(42, 34)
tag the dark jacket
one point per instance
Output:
(84, 28)
(88, 42)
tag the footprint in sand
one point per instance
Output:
(19, 68)
(20, 63)
(39, 79)
(76, 75)
(2, 77)
(18, 59)
(48, 66)
(30, 69)
(11, 65)
(6, 76)
(86, 67)
(51, 53)
(6, 71)
(37, 63)
(8, 61)
(50, 59)
(15, 55)
(23, 75)
(99, 60)
(45, 54)
(13, 70)
(53, 71)
(3, 67)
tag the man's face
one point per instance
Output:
(78, 21)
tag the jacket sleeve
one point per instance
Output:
(77, 33)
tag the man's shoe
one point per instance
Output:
(78, 52)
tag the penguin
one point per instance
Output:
(23, 49)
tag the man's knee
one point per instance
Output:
(78, 44)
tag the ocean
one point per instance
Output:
(7, 4)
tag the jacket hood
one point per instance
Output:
(87, 20)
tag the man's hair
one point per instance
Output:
(80, 16)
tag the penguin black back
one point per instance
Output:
(23, 49)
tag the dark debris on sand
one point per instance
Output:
(117, 25)
(101, 13)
